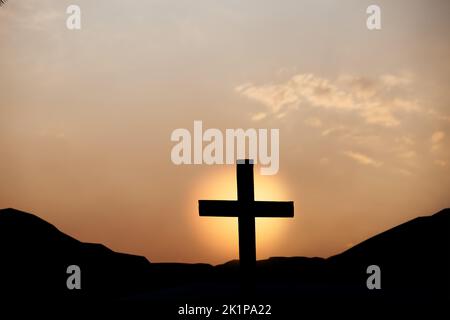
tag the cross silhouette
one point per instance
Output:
(246, 209)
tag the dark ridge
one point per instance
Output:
(35, 255)
(413, 257)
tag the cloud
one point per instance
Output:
(404, 172)
(324, 161)
(441, 163)
(405, 141)
(32, 16)
(437, 137)
(391, 80)
(352, 110)
(332, 130)
(363, 159)
(273, 96)
(259, 116)
(376, 100)
(437, 115)
(409, 154)
(436, 140)
(313, 122)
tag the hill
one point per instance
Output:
(35, 255)
(413, 258)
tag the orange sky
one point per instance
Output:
(86, 118)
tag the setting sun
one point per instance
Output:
(219, 235)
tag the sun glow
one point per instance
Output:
(219, 235)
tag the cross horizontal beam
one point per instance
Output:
(258, 209)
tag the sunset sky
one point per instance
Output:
(86, 118)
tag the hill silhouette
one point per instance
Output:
(35, 255)
(413, 257)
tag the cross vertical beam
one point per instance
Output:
(246, 221)
(246, 209)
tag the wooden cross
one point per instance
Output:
(246, 209)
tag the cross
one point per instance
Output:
(246, 209)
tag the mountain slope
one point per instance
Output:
(413, 257)
(35, 255)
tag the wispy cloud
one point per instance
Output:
(437, 137)
(259, 116)
(391, 80)
(32, 16)
(373, 99)
(332, 130)
(441, 163)
(313, 122)
(363, 159)
(436, 140)
(404, 172)
(357, 111)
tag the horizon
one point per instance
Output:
(86, 119)
(237, 259)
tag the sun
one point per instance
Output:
(219, 235)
